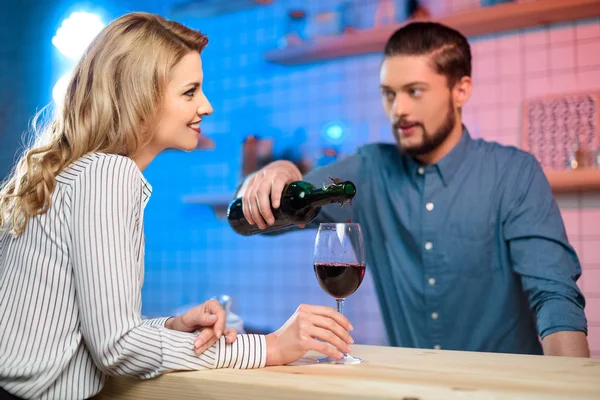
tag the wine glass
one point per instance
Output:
(339, 262)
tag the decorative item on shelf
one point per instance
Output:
(417, 11)
(596, 151)
(347, 17)
(295, 156)
(560, 129)
(344, 18)
(325, 24)
(295, 29)
(332, 139)
(256, 153)
(488, 3)
(328, 155)
(581, 154)
(385, 14)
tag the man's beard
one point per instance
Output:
(430, 141)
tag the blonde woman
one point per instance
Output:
(72, 242)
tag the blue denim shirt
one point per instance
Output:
(468, 254)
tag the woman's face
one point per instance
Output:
(183, 107)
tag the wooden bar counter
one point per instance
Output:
(387, 373)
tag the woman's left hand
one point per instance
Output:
(209, 318)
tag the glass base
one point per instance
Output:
(347, 359)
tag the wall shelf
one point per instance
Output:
(481, 21)
(211, 8)
(567, 181)
(218, 202)
(575, 180)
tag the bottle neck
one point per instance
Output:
(337, 192)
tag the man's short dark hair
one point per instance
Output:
(449, 49)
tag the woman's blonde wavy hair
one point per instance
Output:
(111, 103)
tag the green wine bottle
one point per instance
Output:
(300, 204)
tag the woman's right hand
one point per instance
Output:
(300, 333)
(264, 189)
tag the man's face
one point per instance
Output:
(418, 103)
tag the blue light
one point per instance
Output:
(334, 132)
(76, 33)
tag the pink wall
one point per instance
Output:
(582, 219)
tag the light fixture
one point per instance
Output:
(76, 33)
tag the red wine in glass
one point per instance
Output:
(340, 280)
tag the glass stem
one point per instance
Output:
(340, 306)
(340, 309)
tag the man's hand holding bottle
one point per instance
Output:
(264, 189)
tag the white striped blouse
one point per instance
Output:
(70, 293)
